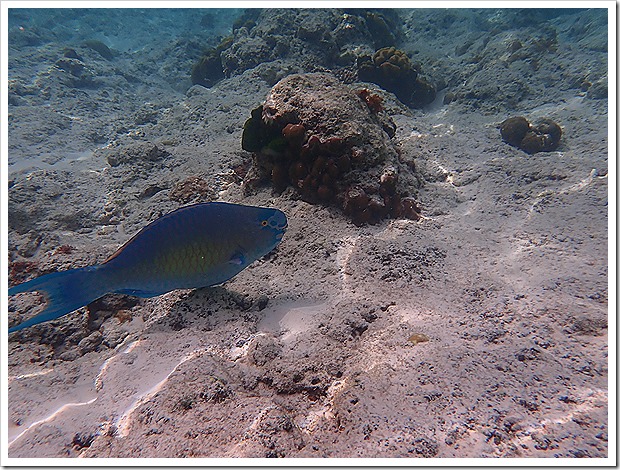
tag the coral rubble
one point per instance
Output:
(332, 144)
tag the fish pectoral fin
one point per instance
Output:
(238, 258)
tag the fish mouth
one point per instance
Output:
(281, 232)
(278, 222)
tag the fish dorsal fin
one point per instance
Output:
(120, 250)
(115, 254)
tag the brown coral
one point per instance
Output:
(544, 137)
(513, 130)
(392, 60)
(372, 100)
(391, 69)
(294, 133)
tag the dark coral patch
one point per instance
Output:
(543, 137)
(208, 69)
(372, 100)
(315, 135)
(391, 69)
(513, 130)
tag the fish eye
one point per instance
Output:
(264, 223)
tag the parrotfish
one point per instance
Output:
(195, 246)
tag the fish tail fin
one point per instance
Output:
(64, 291)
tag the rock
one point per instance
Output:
(332, 144)
(91, 342)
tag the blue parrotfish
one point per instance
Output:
(195, 246)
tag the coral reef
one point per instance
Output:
(247, 19)
(384, 26)
(208, 70)
(391, 69)
(331, 144)
(316, 37)
(276, 42)
(543, 137)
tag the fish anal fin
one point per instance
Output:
(145, 294)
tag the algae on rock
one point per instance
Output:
(332, 145)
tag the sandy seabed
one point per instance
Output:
(478, 331)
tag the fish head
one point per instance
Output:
(265, 230)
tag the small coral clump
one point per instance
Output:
(327, 141)
(383, 26)
(543, 137)
(191, 189)
(514, 129)
(20, 271)
(374, 101)
(393, 63)
(391, 69)
(208, 70)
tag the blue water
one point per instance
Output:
(127, 29)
